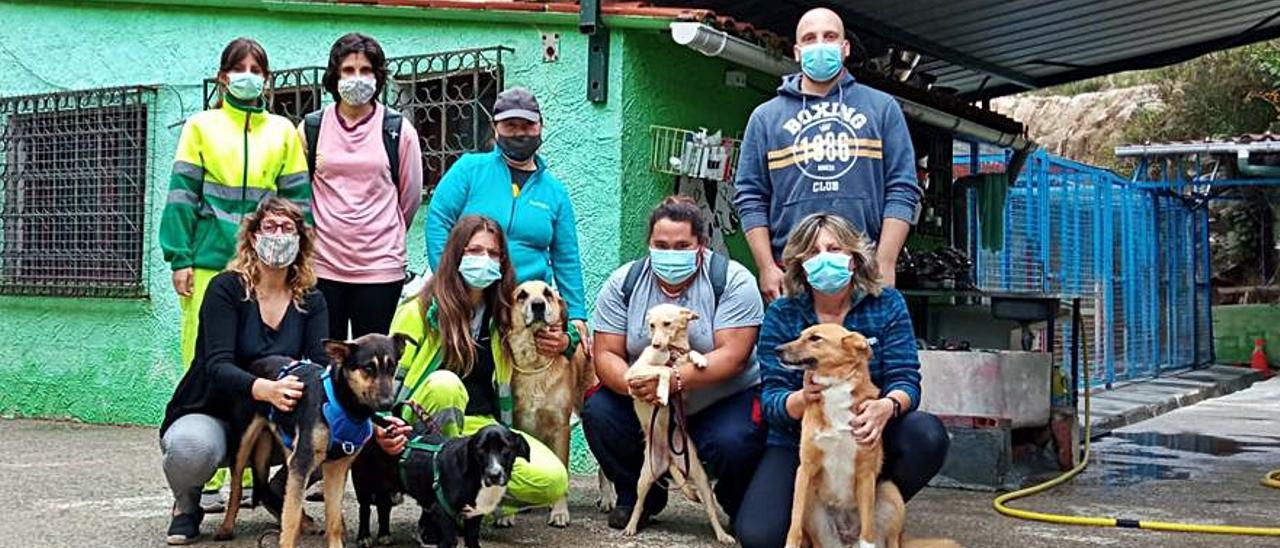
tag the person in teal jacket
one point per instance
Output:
(512, 186)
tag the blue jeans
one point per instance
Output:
(915, 447)
(728, 436)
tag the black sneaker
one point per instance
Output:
(184, 529)
(621, 516)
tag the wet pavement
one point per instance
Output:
(74, 485)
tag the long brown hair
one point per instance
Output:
(237, 50)
(450, 294)
(301, 277)
(804, 237)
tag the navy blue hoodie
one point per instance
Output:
(848, 153)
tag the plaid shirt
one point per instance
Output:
(885, 322)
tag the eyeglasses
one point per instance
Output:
(277, 228)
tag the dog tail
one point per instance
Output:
(929, 543)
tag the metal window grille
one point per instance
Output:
(447, 97)
(292, 93)
(73, 180)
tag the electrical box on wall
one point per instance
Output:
(735, 79)
(550, 47)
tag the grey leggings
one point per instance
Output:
(194, 447)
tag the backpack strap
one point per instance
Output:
(392, 121)
(311, 128)
(633, 276)
(719, 270)
(719, 275)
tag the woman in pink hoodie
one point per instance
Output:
(362, 210)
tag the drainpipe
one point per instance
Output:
(713, 42)
(1243, 167)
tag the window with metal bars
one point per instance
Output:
(291, 93)
(73, 181)
(447, 96)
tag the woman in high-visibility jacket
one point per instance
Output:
(229, 159)
(460, 367)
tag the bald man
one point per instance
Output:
(825, 144)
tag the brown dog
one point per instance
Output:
(547, 390)
(837, 475)
(668, 349)
(360, 381)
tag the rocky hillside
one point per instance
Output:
(1082, 127)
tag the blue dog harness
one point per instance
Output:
(346, 436)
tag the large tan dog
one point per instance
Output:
(547, 391)
(837, 475)
(668, 349)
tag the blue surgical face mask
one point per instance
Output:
(245, 86)
(479, 271)
(821, 62)
(673, 266)
(828, 272)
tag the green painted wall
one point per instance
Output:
(669, 85)
(1236, 327)
(117, 360)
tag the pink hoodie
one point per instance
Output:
(361, 214)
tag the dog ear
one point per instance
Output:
(854, 343)
(689, 314)
(339, 351)
(401, 340)
(522, 446)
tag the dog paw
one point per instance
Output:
(865, 544)
(608, 497)
(630, 531)
(385, 540)
(364, 542)
(725, 538)
(224, 534)
(698, 359)
(559, 518)
(310, 527)
(503, 522)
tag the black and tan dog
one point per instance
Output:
(837, 476)
(325, 431)
(458, 481)
(547, 390)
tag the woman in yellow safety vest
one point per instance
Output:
(461, 364)
(229, 159)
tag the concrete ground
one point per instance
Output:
(74, 485)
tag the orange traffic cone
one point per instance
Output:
(1259, 359)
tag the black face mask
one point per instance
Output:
(520, 148)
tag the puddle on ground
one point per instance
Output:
(1130, 458)
(1193, 442)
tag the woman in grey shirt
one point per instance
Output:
(722, 401)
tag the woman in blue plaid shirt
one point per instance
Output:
(831, 277)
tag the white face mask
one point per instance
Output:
(357, 90)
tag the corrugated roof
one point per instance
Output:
(986, 48)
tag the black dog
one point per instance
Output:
(376, 475)
(459, 481)
(325, 431)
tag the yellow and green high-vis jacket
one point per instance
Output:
(228, 160)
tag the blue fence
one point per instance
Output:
(1137, 257)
